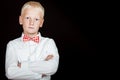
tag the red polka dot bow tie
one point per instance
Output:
(27, 38)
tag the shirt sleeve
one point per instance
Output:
(11, 68)
(47, 67)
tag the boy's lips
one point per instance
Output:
(31, 27)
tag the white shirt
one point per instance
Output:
(32, 56)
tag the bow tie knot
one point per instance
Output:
(27, 38)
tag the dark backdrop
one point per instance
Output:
(72, 24)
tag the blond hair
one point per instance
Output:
(33, 4)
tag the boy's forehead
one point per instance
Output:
(32, 11)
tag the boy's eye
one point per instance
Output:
(36, 19)
(27, 17)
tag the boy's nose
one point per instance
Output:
(31, 22)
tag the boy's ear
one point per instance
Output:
(20, 20)
(41, 23)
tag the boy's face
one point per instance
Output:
(31, 20)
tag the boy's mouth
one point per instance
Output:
(31, 27)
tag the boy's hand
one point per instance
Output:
(43, 75)
(19, 64)
(48, 57)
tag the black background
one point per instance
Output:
(72, 24)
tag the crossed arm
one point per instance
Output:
(46, 59)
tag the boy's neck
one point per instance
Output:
(31, 35)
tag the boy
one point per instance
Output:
(31, 56)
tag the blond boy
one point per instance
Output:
(31, 56)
